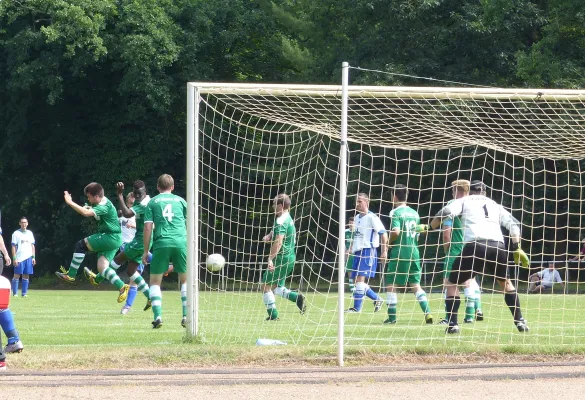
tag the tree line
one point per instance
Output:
(94, 90)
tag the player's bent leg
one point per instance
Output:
(110, 274)
(81, 249)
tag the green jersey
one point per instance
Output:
(139, 210)
(284, 225)
(168, 212)
(107, 217)
(456, 246)
(406, 219)
(348, 238)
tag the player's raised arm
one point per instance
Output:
(85, 211)
(126, 211)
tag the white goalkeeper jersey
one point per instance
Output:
(368, 229)
(481, 218)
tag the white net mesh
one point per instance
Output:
(255, 142)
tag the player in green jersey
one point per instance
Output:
(349, 256)
(453, 244)
(132, 251)
(165, 223)
(281, 260)
(404, 267)
(105, 242)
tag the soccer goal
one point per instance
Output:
(322, 145)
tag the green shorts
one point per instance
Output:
(134, 250)
(349, 263)
(403, 271)
(105, 244)
(283, 268)
(449, 260)
(161, 258)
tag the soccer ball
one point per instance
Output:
(215, 262)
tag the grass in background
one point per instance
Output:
(70, 329)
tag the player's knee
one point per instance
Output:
(81, 247)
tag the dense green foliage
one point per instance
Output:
(94, 90)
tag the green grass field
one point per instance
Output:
(83, 329)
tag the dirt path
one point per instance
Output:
(509, 381)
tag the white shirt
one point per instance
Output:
(23, 241)
(548, 277)
(481, 217)
(127, 232)
(368, 229)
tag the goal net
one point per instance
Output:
(256, 141)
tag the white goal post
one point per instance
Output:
(323, 144)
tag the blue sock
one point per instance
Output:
(372, 295)
(24, 286)
(7, 324)
(131, 296)
(14, 287)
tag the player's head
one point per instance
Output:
(138, 190)
(551, 264)
(399, 194)
(165, 183)
(477, 187)
(350, 221)
(460, 188)
(130, 199)
(23, 223)
(281, 203)
(362, 203)
(94, 192)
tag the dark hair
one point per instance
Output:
(138, 185)
(477, 186)
(282, 199)
(401, 192)
(94, 189)
(23, 217)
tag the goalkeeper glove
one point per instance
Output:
(422, 228)
(520, 256)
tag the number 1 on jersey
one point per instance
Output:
(485, 211)
(168, 212)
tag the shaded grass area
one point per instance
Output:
(83, 329)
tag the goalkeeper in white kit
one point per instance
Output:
(482, 219)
